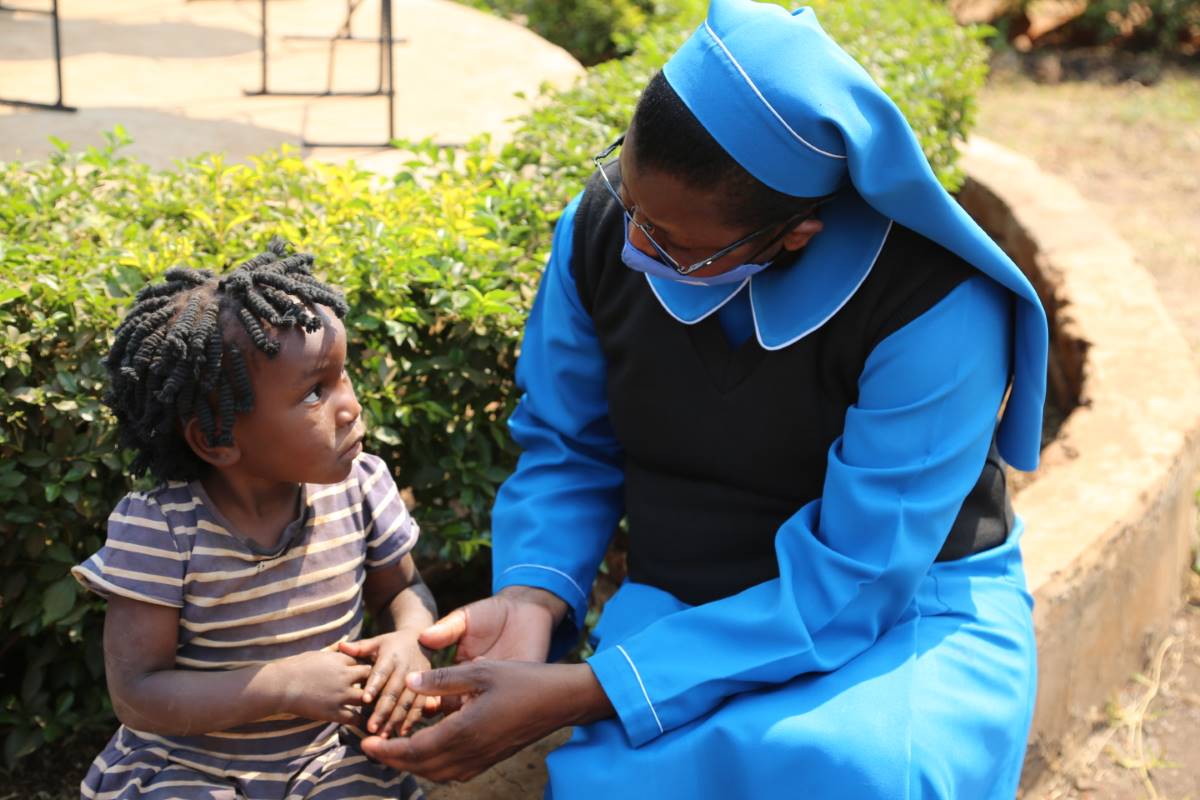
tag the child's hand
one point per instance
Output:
(323, 685)
(394, 655)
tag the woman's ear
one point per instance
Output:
(218, 455)
(800, 235)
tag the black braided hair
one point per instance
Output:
(175, 356)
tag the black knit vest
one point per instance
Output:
(722, 444)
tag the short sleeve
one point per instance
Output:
(140, 558)
(389, 529)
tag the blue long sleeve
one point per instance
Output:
(554, 516)
(850, 562)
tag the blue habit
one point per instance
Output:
(865, 670)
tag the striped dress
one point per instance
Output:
(240, 605)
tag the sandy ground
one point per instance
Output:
(1134, 153)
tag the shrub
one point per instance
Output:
(439, 264)
(930, 66)
(593, 30)
(438, 278)
(1168, 27)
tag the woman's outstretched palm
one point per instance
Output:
(514, 625)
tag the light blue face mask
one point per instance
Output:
(637, 260)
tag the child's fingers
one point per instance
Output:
(349, 716)
(387, 698)
(399, 712)
(352, 649)
(383, 670)
(416, 710)
(433, 704)
(360, 673)
(363, 648)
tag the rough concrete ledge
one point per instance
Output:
(1109, 514)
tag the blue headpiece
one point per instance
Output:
(805, 119)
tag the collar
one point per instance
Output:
(791, 301)
(801, 116)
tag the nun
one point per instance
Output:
(769, 340)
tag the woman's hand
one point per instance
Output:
(509, 705)
(393, 655)
(322, 685)
(513, 625)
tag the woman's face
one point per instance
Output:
(690, 224)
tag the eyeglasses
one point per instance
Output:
(599, 161)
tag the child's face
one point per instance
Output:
(306, 425)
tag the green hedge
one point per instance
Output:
(440, 265)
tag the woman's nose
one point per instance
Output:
(639, 240)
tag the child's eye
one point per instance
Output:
(315, 395)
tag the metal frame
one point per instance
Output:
(57, 105)
(386, 87)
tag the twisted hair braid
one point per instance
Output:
(173, 357)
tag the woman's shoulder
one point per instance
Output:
(911, 275)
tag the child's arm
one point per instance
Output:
(398, 598)
(149, 694)
(403, 607)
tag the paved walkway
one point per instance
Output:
(173, 73)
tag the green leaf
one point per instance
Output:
(61, 553)
(386, 435)
(77, 471)
(9, 294)
(65, 701)
(26, 394)
(11, 479)
(20, 743)
(59, 600)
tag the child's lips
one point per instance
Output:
(355, 446)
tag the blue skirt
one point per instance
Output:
(938, 707)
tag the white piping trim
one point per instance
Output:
(703, 316)
(638, 675)
(770, 107)
(582, 593)
(754, 314)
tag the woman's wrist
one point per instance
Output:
(554, 605)
(588, 702)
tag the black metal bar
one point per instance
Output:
(385, 47)
(57, 51)
(58, 104)
(391, 71)
(33, 104)
(41, 11)
(386, 73)
(328, 91)
(343, 34)
(316, 37)
(263, 42)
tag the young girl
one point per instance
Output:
(236, 588)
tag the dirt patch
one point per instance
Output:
(1133, 151)
(1144, 740)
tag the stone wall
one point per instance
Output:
(1110, 514)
